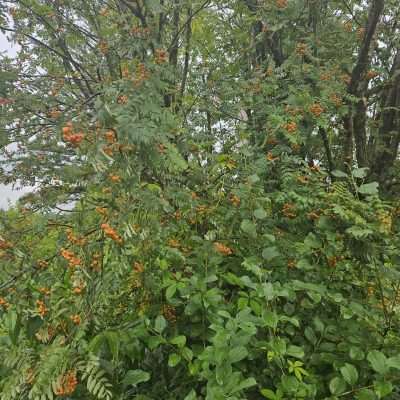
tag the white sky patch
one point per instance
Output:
(8, 194)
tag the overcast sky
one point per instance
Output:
(7, 194)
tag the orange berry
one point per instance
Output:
(316, 109)
(138, 267)
(160, 56)
(222, 249)
(270, 157)
(281, 3)
(290, 127)
(110, 136)
(76, 319)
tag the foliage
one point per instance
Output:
(181, 243)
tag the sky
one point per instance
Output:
(7, 194)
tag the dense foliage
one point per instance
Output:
(215, 213)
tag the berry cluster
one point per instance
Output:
(41, 307)
(76, 319)
(160, 56)
(290, 127)
(75, 239)
(96, 262)
(288, 210)
(71, 258)
(141, 74)
(316, 109)
(69, 136)
(4, 303)
(169, 313)
(110, 136)
(281, 3)
(222, 249)
(235, 200)
(111, 233)
(67, 384)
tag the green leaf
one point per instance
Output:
(295, 351)
(269, 394)
(191, 396)
(369, 188)
(260, 213)
(113, 342)
(394, 362)
(180, 341)
(339, 174)
(174, 359)
(356, 353)
(378, 361)
(134, 377)
(253, 178)
(382, 389)
(247, 383)
(171, 290)
(269, 253)
(249, 227)
(160, 324)
(337, 386)
(360, 172)
(349, 373)
(13, 326)
(271, 319)
(187, 354)
(237, 354)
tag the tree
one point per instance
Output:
(207, 222)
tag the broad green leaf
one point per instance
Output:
(134, 377)
(349, 373)
(249, 227)
(180, 341)
(295, 351)
(369, 188)
(356, 353)
(237, 354)
(191, 396)
(160, 324)
(378, 361)
(337, 386)
(174, 359)
(360, 172)
(269, 253)
(394, 362)
(260, 213)
(247, 383)
(339, 174)
(383, 389)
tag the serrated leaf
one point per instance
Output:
(337, 386)
(378, 361)
(237, 354)
(349, 373)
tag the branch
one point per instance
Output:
(188, 21)
(363, 56)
